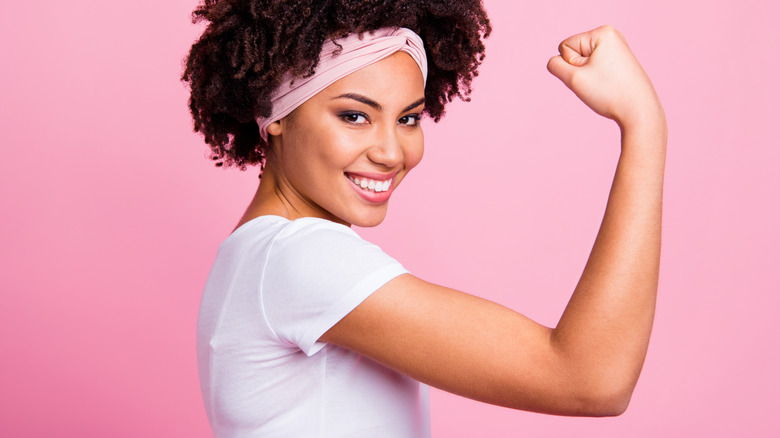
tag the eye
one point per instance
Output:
(410, 120)
(354, 117)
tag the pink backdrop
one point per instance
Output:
(111, 216)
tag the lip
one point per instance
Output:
(373, 197)
(374, 175)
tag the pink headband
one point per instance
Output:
(355, 53)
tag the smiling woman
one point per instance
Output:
(307, 330)
(340, 155)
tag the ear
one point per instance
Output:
(275, 128)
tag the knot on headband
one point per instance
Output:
(338, 59)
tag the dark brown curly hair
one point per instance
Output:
(249, 45)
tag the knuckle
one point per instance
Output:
(612, 31)
(577, 80)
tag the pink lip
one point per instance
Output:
(374, 175)
(370, 196)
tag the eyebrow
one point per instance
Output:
(374, 104)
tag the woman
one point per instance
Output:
(307, 330)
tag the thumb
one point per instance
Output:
(561, 69)
(575, 52)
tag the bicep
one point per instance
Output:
(459, 343)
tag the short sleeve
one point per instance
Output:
(317, 272)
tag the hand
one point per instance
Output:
(599, 67)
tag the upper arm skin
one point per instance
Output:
(465, 345)
(590, 363)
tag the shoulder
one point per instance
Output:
(307, 228)
(279, 231)
(315, 273)
(320, 237)
(311, 246)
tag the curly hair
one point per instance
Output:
(249, 45)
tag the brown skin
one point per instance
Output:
(589, 364)
(333, 133)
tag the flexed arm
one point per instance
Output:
(589, 363)
(621, 277)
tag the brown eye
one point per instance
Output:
(410, 120)
(356, 118)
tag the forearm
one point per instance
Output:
(604, 332)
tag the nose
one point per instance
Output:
(387, 149)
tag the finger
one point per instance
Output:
(573, 56)
(583, 43)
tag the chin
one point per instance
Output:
(368, 220)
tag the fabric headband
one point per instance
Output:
(354, 54)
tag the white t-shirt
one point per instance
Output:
(275, 288)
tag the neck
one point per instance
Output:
(271, 198)
(267, 200)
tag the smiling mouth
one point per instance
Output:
(371, 185)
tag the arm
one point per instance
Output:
(590, 362)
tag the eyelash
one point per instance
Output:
(350, 116)
(416, 118)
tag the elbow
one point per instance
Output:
(591, 401)
(602, 390)
(611, 407)
(605, 402)
(577, 401)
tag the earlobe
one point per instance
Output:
(275, 128)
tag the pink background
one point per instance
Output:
(111, 216)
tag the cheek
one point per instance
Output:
(414, 152)
(339, 150)
(313, 151)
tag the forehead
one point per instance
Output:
(397, 76)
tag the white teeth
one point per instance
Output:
(370, 184)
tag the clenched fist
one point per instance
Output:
(599, 67)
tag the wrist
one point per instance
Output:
(648, 123)
(642, 114)
(643, 142)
